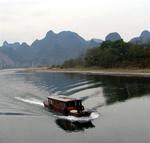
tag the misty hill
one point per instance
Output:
(52, 49)
(55, 48)
(114, 36)
(144, 38)
(19, 56)
(94, 43)
(5, 61)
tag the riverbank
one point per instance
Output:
(95, 71)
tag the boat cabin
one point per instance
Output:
(65, 104)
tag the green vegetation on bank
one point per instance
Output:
(113, 55)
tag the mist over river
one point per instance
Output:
(121, 108)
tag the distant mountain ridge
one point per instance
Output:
(54, 48)
(11, 45)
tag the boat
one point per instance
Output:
(66, 106)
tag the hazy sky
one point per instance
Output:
(27, 20)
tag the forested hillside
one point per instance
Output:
(114, 54)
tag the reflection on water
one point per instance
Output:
(70, 126)
(120, 89)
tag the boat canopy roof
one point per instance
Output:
(63, 98)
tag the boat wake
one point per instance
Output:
(93, 116)
(14, 114)
(30, 101)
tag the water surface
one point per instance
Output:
(123, 105)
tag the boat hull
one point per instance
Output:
(76, 114)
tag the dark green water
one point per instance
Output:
(123, 105)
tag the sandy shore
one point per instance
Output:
(112, 72)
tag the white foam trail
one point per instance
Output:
(94, 115)
(30, 100)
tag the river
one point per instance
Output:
(121, 108)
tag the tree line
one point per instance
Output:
(113, 54)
